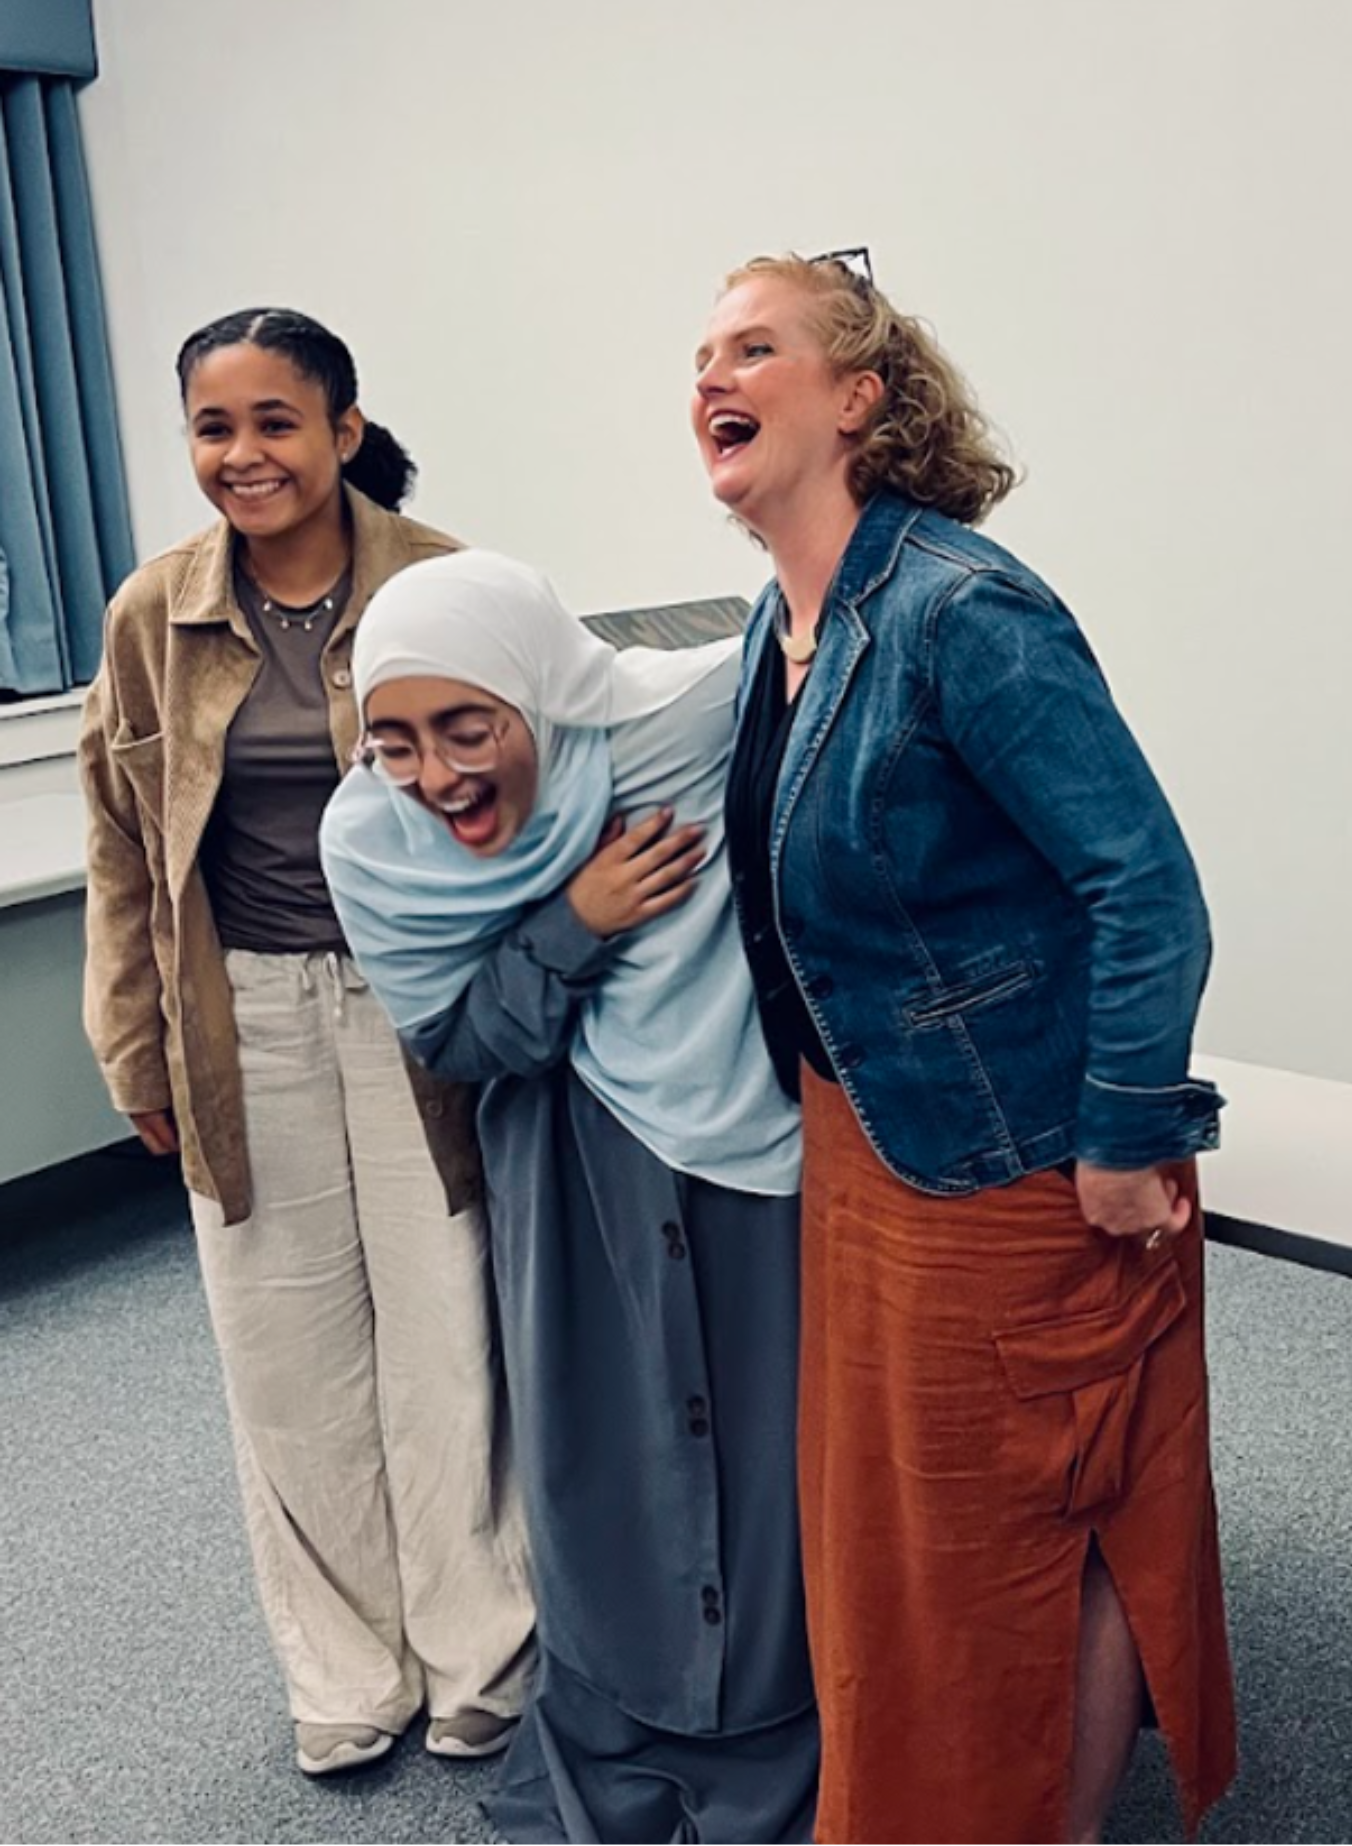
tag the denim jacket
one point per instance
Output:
(981, 889)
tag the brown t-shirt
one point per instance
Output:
(260, 853)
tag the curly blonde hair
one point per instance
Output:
(927, 438)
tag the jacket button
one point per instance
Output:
(851, 1057)
(821, 986)
(434, 1110)
(342, 678)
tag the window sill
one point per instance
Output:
(36, 730)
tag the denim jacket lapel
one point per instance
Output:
(869, 560)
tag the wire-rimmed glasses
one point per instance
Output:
(467, 745)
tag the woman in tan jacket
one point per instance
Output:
(346, 1278)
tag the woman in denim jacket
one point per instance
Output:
(979, 945)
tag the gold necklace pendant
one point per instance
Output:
(797, 648)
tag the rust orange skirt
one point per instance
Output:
(987, 1384)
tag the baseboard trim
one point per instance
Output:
(1289, 1246)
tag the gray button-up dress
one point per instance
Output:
(650, 1327)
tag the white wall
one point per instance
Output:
(1128, 223)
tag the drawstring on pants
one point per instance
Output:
(333, 968)
(330, 966)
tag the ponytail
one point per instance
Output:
(381, 468)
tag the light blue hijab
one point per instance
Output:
(670, 1039)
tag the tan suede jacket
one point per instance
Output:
(178, 661)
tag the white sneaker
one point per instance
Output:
(323, 1748)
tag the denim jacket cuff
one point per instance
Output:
(556, 938)
(1128, 1126)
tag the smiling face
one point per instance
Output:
(425, 724)
(265, 450)
(773, 420)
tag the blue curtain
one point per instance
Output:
(64, 523)
(51, 38)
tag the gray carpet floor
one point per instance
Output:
(140, 1699)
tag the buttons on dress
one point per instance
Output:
(697, 1415)
(713, 1611)
(675, 1241)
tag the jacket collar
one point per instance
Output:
(868, 560)
(207, 593)
(875, 545)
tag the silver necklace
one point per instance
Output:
(287, 617)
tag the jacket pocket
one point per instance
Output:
(1096, 1361)
(141, 761)
(967, 996)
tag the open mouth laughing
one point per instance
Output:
(731, 431)
(473, 816)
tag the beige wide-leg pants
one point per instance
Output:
(356, 1332)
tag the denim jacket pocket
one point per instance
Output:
(1096, 1361)
(967, 996)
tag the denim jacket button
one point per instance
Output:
(821, 986)
(851, 1057)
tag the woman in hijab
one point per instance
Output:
(642, 1169)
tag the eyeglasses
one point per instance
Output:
(468, 746)
(856, 262)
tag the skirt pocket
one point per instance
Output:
(1095, 1360)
